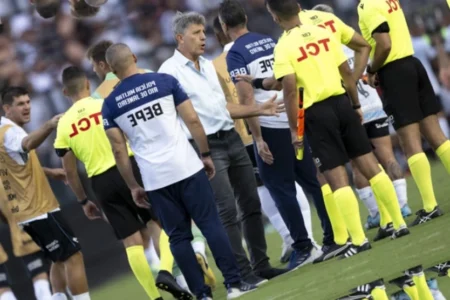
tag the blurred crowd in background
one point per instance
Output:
(34, 51)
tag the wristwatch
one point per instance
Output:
(206, 154)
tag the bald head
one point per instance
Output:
(324, 7)
(120, 58)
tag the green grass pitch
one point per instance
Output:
(428, 245)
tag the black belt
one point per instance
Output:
(219, 134)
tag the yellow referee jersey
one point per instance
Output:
(314, 56)
(341, 31)
(81, 130)
(373, 13)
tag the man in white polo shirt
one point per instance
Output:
(234, 180)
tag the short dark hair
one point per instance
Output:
(232, 13)
(48, 10)
(98, 51)
(82, 10)
(216, 24)
(12, 92)
(284, 9)
(73, 79)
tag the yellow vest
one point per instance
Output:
(28, 193)
(229, 89)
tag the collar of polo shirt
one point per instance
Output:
(183, 60)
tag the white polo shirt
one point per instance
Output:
(204, 90)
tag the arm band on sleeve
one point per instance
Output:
(258, 83)
(383, 28)
(61, 152)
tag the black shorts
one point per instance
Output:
(35, 264)
(408, 96)
(54, 236)
(115, 198)
(377, 128)
(4, 277)
(335, 133)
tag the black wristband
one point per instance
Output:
(83, 202)
(258, 83)
(206, 154)
(357, 106)
(369, 70)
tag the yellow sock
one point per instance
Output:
(412, 292)
(337, 222)
(385, 217)
(167, 259)
(349, 208)
(421, 172)
(141, 269)
(422, 287)
(385, 193)
(444, 154)
(379, 293)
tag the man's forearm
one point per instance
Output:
(75, 184)
(239, 111)
(290, 102)
(198, 134)
(361, 59)
(380, 56)
(37, 137)
(48, 172)
(255, 128)
(126, 170)
(353, 92)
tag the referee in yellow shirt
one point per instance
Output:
(308, 56)
(80, 135)
(408, 96)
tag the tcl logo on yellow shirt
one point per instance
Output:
(313, 49)
(85, 124)
(328, 25)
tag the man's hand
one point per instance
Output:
(360, 115)
(264, 152)
(372, 80)
(210, 169)
(272, 107)
(91, 211)
(298, 144)
(245, 78)
(140, 197)
(53, 122)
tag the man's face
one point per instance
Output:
(19, 111)
(99, 69)
(194, 39)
